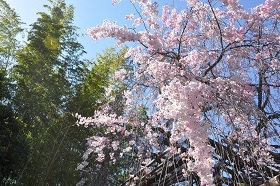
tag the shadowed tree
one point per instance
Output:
(48, 67)
(13, 146)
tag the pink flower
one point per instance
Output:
(129, 17)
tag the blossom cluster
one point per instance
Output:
(195, 67)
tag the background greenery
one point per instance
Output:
(43, 83)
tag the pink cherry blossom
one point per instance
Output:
(206, 71)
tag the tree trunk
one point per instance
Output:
(275, 181)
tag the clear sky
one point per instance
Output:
(89, 13)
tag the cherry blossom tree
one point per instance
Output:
(204, 87)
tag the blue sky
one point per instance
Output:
(89, 13)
